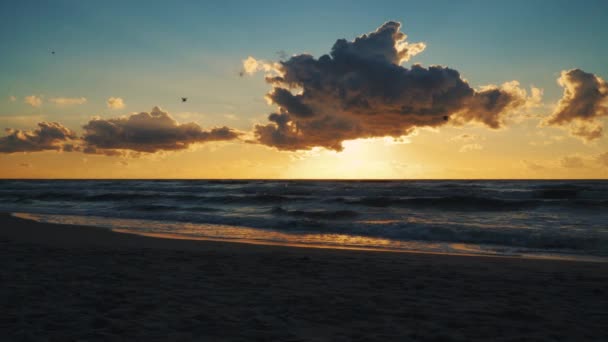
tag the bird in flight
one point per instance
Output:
(52, 52)
(184, 99)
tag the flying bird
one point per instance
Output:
(184, 99)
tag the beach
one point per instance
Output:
(74, 283)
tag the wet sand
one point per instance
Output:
(68, 283)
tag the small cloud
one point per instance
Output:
(470, 147)
(230, 117)
(532, 165)
(403, 140)
(26, 165)
(252, 65)
(67, 101)
(464, 137)
(587, 131)
(71, 147)
(572, 162)
(115, 103)
(33, 100)
(12, 98)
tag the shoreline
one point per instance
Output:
(334, 247)
(63, 282)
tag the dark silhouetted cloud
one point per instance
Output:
(48, 136)
(360, 90)
(147, 132)
(584, 101)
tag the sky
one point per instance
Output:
(93, 89)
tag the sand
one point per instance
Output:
(70, 283)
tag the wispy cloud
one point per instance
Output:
(66, 101)
(33, 100)
(470, 147)
(532, 165)
(572, 162)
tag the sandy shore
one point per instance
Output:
(68, 283)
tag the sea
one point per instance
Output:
(525, 218)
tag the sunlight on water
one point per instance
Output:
(183, 230)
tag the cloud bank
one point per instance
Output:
(585, 100)
(360, 90)
(48, 136)
(129, 135)
(147, 132)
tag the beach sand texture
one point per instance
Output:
(70, 283)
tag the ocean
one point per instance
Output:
(538, 219)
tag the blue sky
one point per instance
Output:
(151, 52)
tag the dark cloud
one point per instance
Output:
(48, 136)
(585, 97)
(585, 100)
(147, 132)
(361, 91)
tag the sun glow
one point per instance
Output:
(360, 159)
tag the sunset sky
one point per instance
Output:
(93, 89)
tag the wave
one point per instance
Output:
(130, 196)
(317, 215)
(444, 203)
(560, 191)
